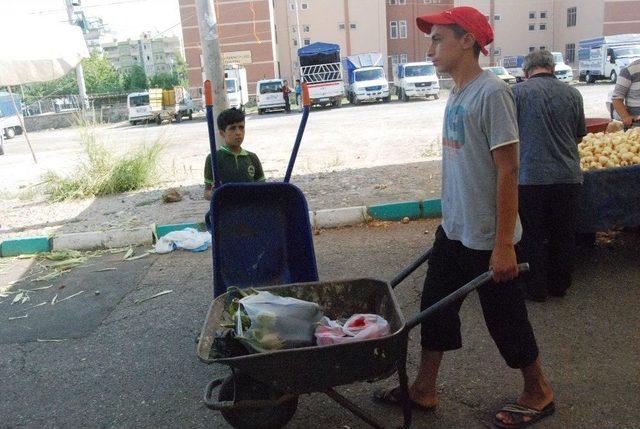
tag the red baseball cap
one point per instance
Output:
(469, 18)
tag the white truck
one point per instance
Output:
(157, 105)
(603, 57)
(365, 78)
(416, 80)
(321, 70)
(513, 64)
(235, 81)
(9, 120)
(562, 71)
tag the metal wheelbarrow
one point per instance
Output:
(261, 231)
(264, 388)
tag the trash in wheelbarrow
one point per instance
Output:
(276, 322)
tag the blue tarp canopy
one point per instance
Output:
(318, 48)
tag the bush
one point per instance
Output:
(103, 173)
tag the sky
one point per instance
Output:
(125, 18)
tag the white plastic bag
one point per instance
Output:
(188, 239)
(277, 322)
(357, 328)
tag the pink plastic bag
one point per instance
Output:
(359, 327)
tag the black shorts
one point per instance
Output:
(452, 265)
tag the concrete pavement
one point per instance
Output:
(128, 364)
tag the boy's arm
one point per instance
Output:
(503, 259)
(259, 177)
(620, 92)
(500, 124)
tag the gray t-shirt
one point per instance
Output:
(479, 118)
(551, 119)
(628, 87)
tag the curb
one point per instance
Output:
(330, 218)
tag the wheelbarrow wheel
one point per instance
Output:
(257, 418)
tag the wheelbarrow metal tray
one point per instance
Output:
(261, 236)
(317, 368)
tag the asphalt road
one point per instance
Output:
(127, 364)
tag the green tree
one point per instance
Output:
(135, 79)
(100, 76)
(181, 69)
(164, 80)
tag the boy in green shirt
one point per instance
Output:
(233, 163)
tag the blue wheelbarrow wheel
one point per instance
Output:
(259, 418)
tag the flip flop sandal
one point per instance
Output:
(518, 413)
(391, 396)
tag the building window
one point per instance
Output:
(497, 17)
(353, 26)
(543, 48)
(402, 29)
(306, 42)
(402, 1)
(404, 58)
(497, 51)
(532, 15)
(543, 26)
(294, 29)
(572, 14)
(532, 48)
(295, 42)
(393, 29)
(570, 52)
(394, 59)
(393, 2)
(341, 26)
(292, 6)
(543, 15)
(304, 6)
(306, 28)
(532, 27)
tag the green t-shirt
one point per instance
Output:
(241, 167)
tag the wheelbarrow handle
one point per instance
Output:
(449, 299)
(212, 403)
(410, 269)
(208, 96)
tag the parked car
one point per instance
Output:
(502, 73)
(269, 95)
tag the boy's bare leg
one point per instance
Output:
(423, 389)
(537, 392)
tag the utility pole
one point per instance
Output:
(492, 21)
(84, 101)
(213, 66)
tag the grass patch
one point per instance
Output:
(103, 173)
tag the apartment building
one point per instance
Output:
(355, 25)
(524, 25)
(405, 42)
(154, 54)
(246, 29)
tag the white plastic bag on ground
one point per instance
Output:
(188, 239)
(357, 328)
(277, 322)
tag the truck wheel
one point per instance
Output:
(387, 99)
(613, 77)
(179, 117)
(133, 122)
(260, 111)
(9, 133)
(158, 120)
(355, 100)
(337, 103)
(191, 114)
(588, 78)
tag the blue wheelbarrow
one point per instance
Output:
(261, 231)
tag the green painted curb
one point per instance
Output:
(162, 230)
(396, 211)
(425, 209)
(24, 246)
(432, 208)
